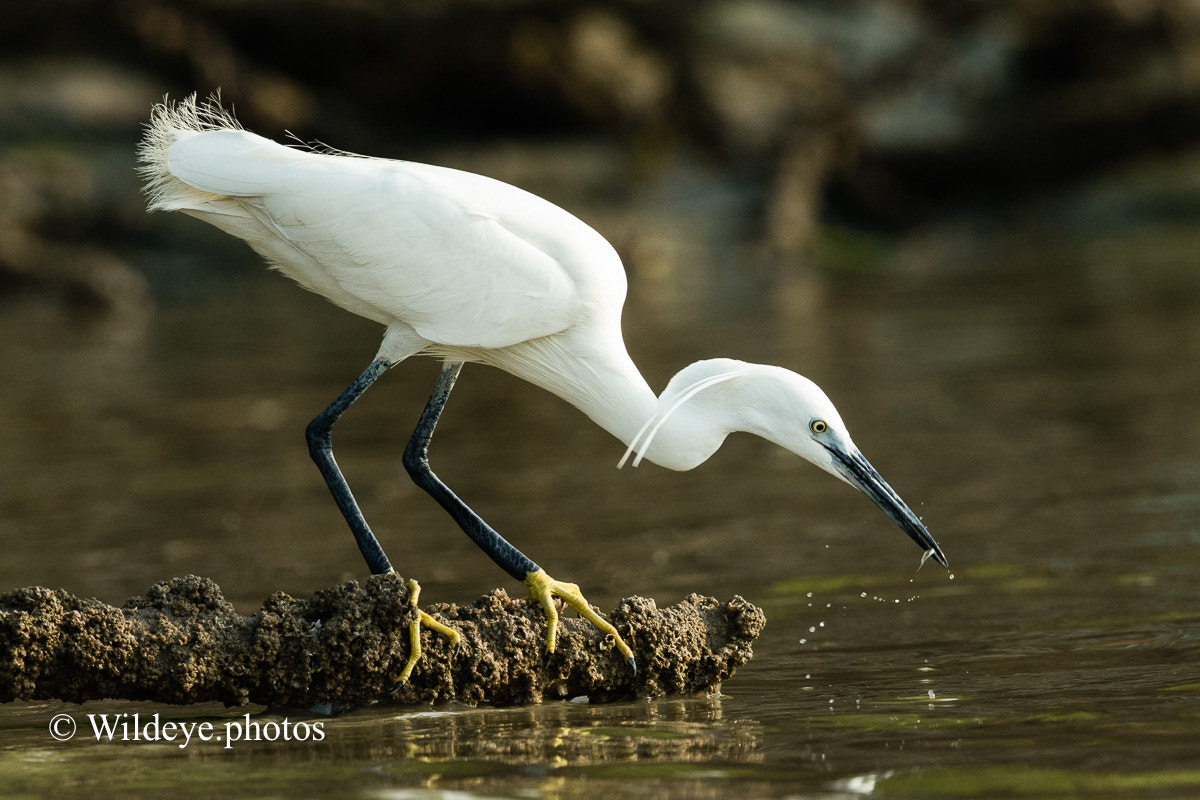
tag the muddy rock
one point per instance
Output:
(182, 642)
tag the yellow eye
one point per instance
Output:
(818, 426)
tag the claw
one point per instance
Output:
(544, 589)
(414, 633)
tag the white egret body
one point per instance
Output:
(468, 269)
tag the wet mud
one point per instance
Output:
(182, 642)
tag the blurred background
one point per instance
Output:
(808, 134)
(974, 224)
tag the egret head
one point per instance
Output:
(797, 415)
(710, 399)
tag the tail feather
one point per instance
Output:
(170, 122)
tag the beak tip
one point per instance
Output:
(936, 554)
(858, 472)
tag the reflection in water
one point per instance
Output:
(578, 735)
(1042, 422)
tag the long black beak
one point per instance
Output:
(858, 472)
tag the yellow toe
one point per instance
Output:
(414, 633)
(544, 589)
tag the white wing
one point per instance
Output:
(463, 259)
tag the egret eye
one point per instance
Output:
(818, 426)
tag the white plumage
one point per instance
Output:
(469, 269)
(451, 254)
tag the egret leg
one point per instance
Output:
(320, 446)
(542, 587)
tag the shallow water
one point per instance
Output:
(1039, 415)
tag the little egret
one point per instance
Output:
(465, 268)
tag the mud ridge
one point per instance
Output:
(182, 642)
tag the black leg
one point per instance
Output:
(416, 461)
(320, 447)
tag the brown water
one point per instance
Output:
(1041, 417)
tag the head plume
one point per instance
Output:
(682, 388)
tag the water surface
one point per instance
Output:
(1038, 413)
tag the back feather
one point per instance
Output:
(170, 122)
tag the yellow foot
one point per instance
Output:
(544, 589)
(414, 633)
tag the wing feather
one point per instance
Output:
(463, 259)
